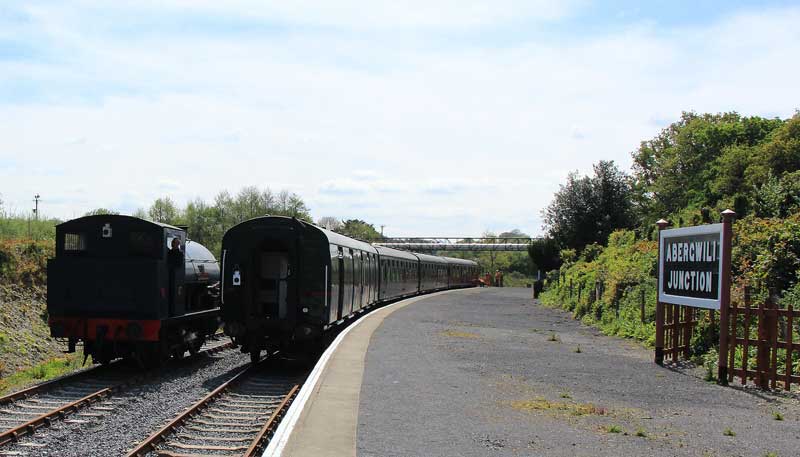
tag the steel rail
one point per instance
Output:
(149, 444)
(269, 428)
(258, 442)
(29, 427)
(47, 385)
(72, 377)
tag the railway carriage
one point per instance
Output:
(286, 282)
(461, 272)
(399, 273)
(433, 272)
(116, 286)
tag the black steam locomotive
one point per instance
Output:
(127, 287)
(285, 282)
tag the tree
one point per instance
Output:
(203, 222)
(360, 230)
(330, 223)
(697, 161)
(588, 209)
(141, 214)
(164, 210)
(544, 252)
(100, 212)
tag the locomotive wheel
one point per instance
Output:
(194, 346)
(153, 355)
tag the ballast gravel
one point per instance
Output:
(118, 425)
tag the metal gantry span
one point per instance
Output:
(432, 244)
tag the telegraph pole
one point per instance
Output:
(36, 209)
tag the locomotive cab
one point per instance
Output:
(129, 287)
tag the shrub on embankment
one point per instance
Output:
(24, 262)
(604, 286)
(609, 286)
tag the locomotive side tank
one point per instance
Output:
(127, 287)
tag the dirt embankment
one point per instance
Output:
(24, 336)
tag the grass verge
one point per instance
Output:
(42, 372)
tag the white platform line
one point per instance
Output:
(285, 428)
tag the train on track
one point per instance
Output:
(287, 283)
(127, 287)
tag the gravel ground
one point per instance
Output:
(119, 424)
(488, 372)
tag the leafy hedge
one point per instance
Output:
(766, 257)
(604, 286)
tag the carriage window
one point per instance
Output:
(74, 242)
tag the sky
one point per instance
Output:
(432, 118)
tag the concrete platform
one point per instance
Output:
(481, 372)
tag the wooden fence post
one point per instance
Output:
(659, 350)
(597, 292)
(688, 324)
(789, 321)
(725, 296)
(772, 338)
(762, 351)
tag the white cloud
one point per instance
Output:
(423, 140)
(361, 14)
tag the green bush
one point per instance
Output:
(25, 261)
(623, 271)
(766, 256)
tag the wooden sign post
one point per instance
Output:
(694, 269)
(725, 296)
(662, 224)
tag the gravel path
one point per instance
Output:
(489, 373)
(112, 428)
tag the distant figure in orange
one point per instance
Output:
(488, 279)
(498, 278)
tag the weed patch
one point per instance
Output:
(571, 409)
(458, 334)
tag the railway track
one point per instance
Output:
(77, 398)
(236, 419)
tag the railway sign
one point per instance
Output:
(690, 270)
